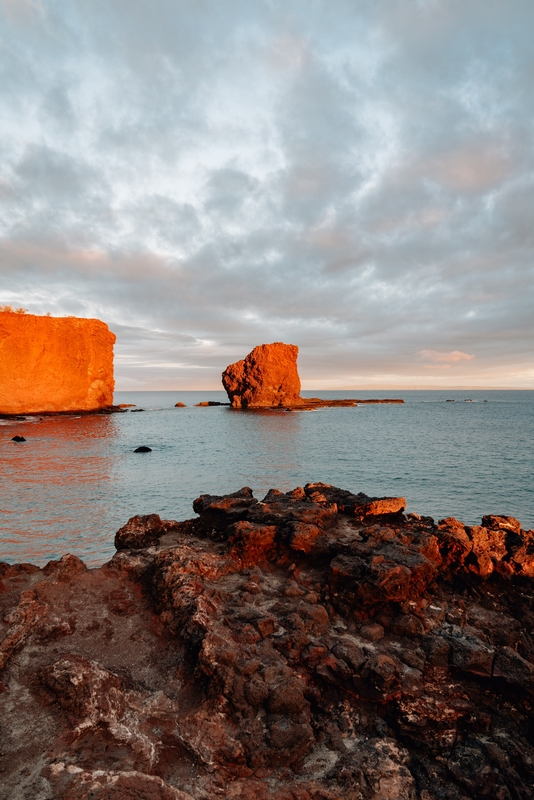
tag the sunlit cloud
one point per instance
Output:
(439, 356)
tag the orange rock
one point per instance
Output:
(268, 376)
(54, 364)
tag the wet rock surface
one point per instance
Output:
(314, 645)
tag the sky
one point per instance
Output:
(352, 176)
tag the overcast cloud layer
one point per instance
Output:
(353, 177)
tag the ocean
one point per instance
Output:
(76, 480)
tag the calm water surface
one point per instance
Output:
(75, 481)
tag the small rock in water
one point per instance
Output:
(136, 410)
(143, 449)
(18, 439)
(180, 405)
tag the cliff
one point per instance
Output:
(51, 364)
(316, 645)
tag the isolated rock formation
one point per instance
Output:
(316, 645)
(51, 364)
(268, 376)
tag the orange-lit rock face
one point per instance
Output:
(268, 376)
(54, 364)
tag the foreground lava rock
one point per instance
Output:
(50, 364)
(314, 645)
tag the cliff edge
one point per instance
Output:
(51, 364)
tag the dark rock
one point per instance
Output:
(288, 648)
(18, 439)
(513, 668)
(407, 625)
(143, 449)
(143, 531)
(220, 511)
(497, 523)
(471, 655)
(372, 631)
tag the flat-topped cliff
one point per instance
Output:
(51, 364)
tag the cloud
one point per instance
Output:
(436, 355)
(357, 179)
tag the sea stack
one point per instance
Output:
(267, 377)
(51, 364)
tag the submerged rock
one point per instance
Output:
(316, 644)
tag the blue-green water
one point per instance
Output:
(75, 481)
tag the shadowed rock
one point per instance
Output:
(315, 645)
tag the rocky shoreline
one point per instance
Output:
(316, 645)
(28, 417)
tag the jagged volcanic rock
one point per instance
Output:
(268, 376)
(50, 364)
(315, 645)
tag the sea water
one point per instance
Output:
(76, 480)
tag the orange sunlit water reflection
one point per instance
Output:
(53, 486)
(77, 480)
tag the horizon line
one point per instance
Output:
(367, 388)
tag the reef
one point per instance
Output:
(315, 645)
(54, 365)
(268, 378)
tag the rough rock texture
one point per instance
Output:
(50, 364)
(316, 645)
(268, 376)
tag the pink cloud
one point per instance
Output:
(441, 356)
